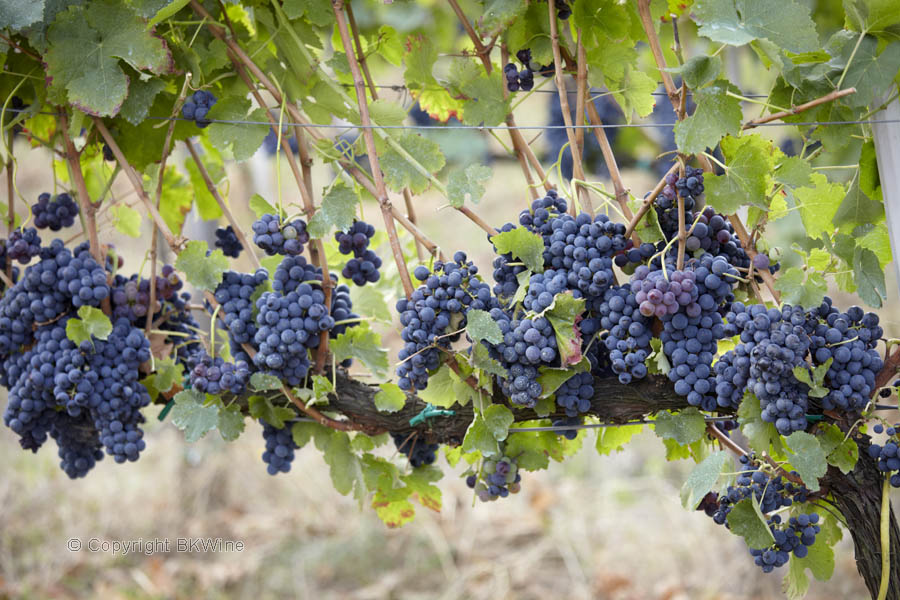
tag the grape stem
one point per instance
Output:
(656, 49)
(609, 159)
(648, 201)
(794, 110)
(577, 167)
(885, 538)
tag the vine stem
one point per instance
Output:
(648, 201)
(744, 238)
(87, 207)
(682, 234)
(610, 159)
(11, 208)
(154, 241)
(577, 167)
(656, 50)
(175, 243)
(799, 108)
(885, 538)
(369, 137)
(724, 440)
(229, 216)
(581, 93)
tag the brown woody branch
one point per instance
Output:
(799, 108)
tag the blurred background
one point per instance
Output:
(606, 527)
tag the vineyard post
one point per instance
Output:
(887, 154)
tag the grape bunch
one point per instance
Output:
(506, 275)
(363, 267)
(235, 296)
(628, 340)
(575, 395)
(275, 238)
(23, 245)
(771, 492)
(496, 479)
(773, 342)
(54, 214)
(228, 241)
(436, 310)
(418, 452)
(197, 107)
(796, 537)
(131, 297)
(518, 80)
(690, 185)
(280, 448)
(527, 344)
(848, 339)
(215, 376)
(887, 455)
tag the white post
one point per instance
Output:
(887, 153)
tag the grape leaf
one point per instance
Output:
(840, 450)
(90, 322)
(481, 326)
(497, 419)
(242, 139)
(345, 466)
(760, 434)
(819, 561)
(857, 208)
(702, 479)
(19, 15)
(259, 206)
(179, 196)
(482, 360)
(615, 438)
(192, 416)
(480, 439)
(440, 390)
(877, 240)
(794, 172)
(869, 277)
(399, 173)
(368, 301)
(699, 70)
(500, 13)
(141, 95)
(803, 289)
(262, 382)
(337, 211)
(420, 480)
(105, 31)
(746, 520)
(262, 408)
(748, 179)
(522, 244)
(784, 22)
(634, 92)
(202, 270)
(230, 422)
(126, 219)
(167, 373)
(207, 206)
(485, 103)
(361, 342)
(685, 427)
(550, 378)
(807, 458)
(566, 308)
(467, 185)
(389, 398)
(868, 71)
(717, 114)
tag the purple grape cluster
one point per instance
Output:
(235, 295)
(518, 80)
(23, 245)
(275, 238)
(418, 452)
(54, 214)
(215, 376)
(363, 267)
(496, 479)
(575, 394)
(280, 448)
(228, 241)
(527, 344)
(197, 107)
(628, 340)
(690, 185)
(887, 455)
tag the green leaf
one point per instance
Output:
(389, 398)
(869, 72)
(19, 15)
(178, 198)
(634, 92)
(207, 206)
(193, 417)
(784, 22)
(400, 173)
(467, 185)
(523, 245)
(370, 302)
(167, 373)
(878, 240)
(167, 11)
(385, 112)
(260, 207)
(481, 326)
(819, 561)
(550, 378)
(699, 70)
(869, 277)
(262, 408)
(717, 114)
(819, 204)
(481, 359)
(808, 458)
(748, 179)
(106, 31)
(497, 419)
(745, 520)
(141, 95)
(794, 172)
(126, 220)
(480, 438)
(420, 482)
(759, 433)
(685, 426)
(201, 270)
(857, 208)
(840, 450)
(566, 308)
(702, 479)
(241, 139)
(345, 466)
(500, 13)
(262, 382)
(485, 104)
(91, 322)
(440, 390)
(803, 289)
(337, 211)
(615, 438)
(361, 342)
(230, 423)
